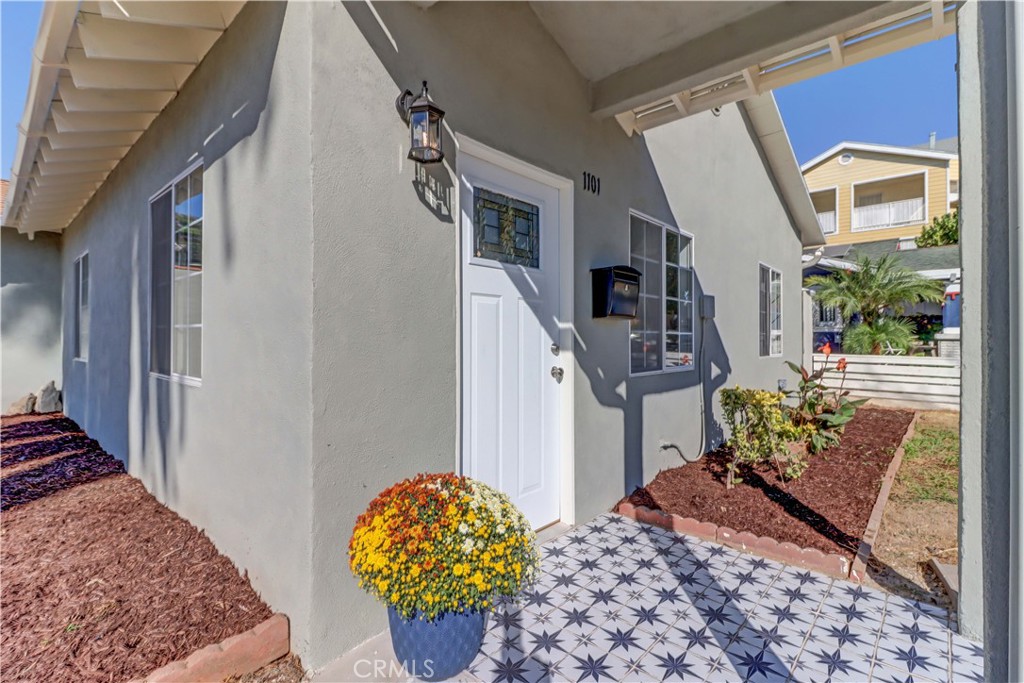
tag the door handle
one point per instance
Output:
(557, 373)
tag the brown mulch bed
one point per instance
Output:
(100, 581)
(827, 508)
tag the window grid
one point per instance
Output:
(177, 324)
(770, 305)
(661, 335)
(81, 341)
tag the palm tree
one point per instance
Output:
(873, 288)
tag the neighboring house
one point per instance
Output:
(271, 314)
(865, 192)
(934, 263)
(30, 310)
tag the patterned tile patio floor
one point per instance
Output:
(622, 601)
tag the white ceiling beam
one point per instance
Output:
(60, 140)
(46, 181)
(682, 102)
(835, 47)
(117, 40)
(938, 18)
(99, 74)
(862, 51)
(627, 120)
(178, 14)
(32, 210)
(39, 203)
(103, 122)
(151, 101)
(69, 167)
(755, 39)
(752, 77)
(67, 188)
(90, 154)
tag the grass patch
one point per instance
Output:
(931, 465)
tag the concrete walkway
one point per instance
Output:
(622, 601)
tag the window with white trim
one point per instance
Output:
(770, 311)
(176, 289)
(661, 334)
(81, 328)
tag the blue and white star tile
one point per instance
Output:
(916, 633)
(886, 674)
(910, 659)
(835, 663)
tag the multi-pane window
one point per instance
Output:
(770, 311)
(505, 229)
(81, 327)
(176, 297)
(661, 334)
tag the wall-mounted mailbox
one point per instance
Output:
(616, 291)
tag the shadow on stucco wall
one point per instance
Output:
(194, 129)
(395, 33)
(30, 312)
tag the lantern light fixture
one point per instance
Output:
(424, 119)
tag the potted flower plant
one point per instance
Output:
(439, 550)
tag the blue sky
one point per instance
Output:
(898, 99)
(19, 22)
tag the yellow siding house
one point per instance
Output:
(866, 192)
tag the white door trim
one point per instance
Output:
(566, 327)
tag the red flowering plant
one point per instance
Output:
(440, 543)
(821, 413)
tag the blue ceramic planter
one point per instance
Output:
(440, 649)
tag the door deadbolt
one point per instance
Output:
(555, 348)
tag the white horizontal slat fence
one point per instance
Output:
(911, 381)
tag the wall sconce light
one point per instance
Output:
(424, 119)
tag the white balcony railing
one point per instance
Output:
(892, 214)
(827, 221)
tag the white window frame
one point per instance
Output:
(835, 205)
(664, 296)
(81, 352)
(853, 201)
(782, 317)
(187, 380)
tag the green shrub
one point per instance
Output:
(871, 338)
(821, 413)
(943, 230)
(759, 431)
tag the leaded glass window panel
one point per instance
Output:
(505, 229)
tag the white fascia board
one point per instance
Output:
(55, 28)
(941, 274)
(764, 117)
(878, 149)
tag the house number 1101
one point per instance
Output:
(591, 182)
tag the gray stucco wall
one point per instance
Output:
(30, 318)
(386, 267)
(990, 459)
(232, 455)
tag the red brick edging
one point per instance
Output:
(234, 656)
(789, 553)
(859, 570)
(833, 564)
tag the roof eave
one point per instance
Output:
(878, 149)
(763, 113)
(55, 25)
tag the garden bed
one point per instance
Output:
(826, 509)
(100, 581)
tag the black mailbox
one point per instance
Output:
(616, 291)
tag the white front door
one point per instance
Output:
(511, 399)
